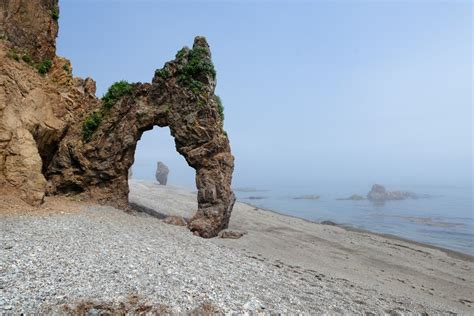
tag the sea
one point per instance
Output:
(443, 217)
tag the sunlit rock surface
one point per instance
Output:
(44, 147)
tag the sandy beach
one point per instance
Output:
(429, 275)
(71, 256)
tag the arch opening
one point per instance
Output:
(158, 145)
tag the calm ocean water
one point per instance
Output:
(445, 219)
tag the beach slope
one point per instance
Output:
(74, 257)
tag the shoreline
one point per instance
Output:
(453, 253)
(377, 263)
(102, 256)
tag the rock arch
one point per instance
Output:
(181, 96)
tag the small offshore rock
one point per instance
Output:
(353, 197)
(379, 193)
(161, 173)
(256, 197)
(307, 197)
(175, 220)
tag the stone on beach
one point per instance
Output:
(175, 220)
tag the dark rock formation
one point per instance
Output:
(379, 193)
(161, 174)
(353, 197)
(57, 137)
(175, 220)
(330, 223)
(256, 197)
(307, 197)
(231, 234)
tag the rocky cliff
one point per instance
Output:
(57, 137)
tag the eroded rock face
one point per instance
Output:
(177, 98)
(35, 112)
(43, 146)
(161, 174)
(30, 26)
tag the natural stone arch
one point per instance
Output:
(180, 96)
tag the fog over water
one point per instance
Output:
(320, 98)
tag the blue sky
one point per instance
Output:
(341, 92)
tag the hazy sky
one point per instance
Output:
(342, 92)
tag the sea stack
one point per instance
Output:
(161, 174)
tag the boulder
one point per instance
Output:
(161, 174)
(231, 234)
(175, 220)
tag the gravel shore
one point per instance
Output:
(87, 259)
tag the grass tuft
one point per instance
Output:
(13, 55)
(27, 59)
(55, 13)
(114, 93)
(91, 124)
(198, 67)
(220, 106)
(44, 66)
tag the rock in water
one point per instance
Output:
(379, 193)
(307, 197)
(161, 174)
(353, 197)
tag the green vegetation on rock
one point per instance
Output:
(44, 66)
(91, 124)
(163, 73)
(181, 53)
(55, 13)
(27, 59)
(199, 65)
(220, 106)
(14, 55)
(116, 91)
